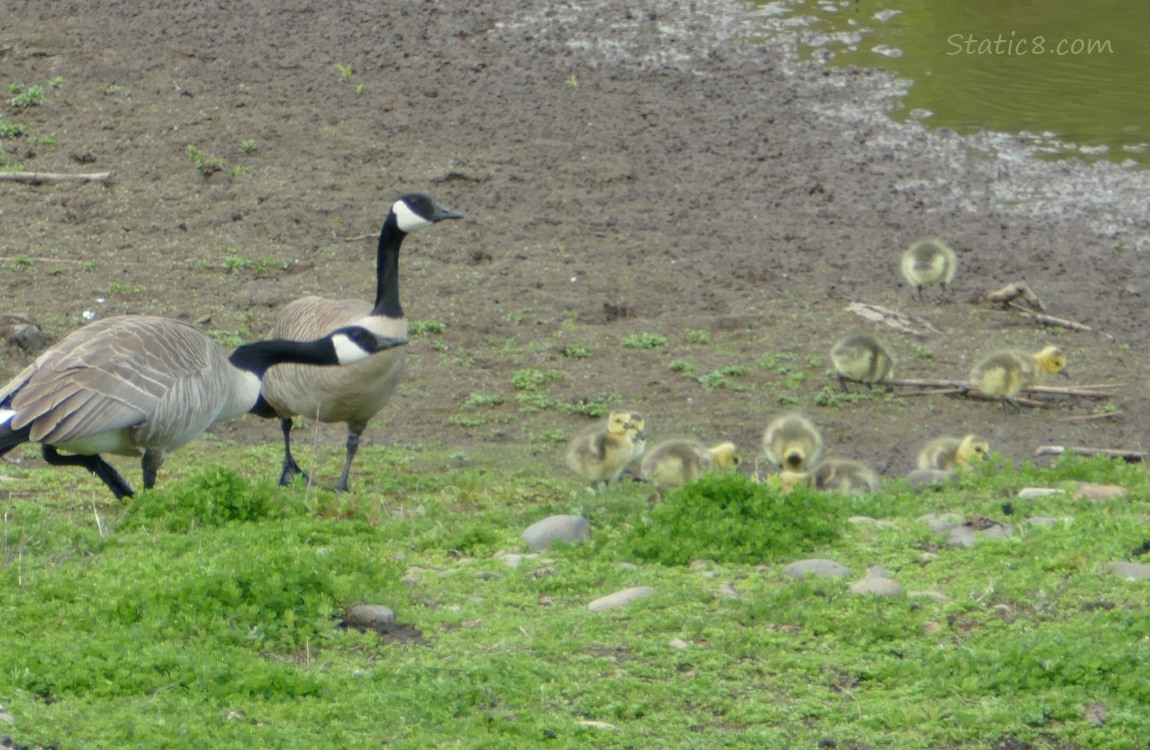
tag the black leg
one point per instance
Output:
(151, 463)
(291, 469)
(98, 466)
(352, 447)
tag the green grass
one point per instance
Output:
(205, 613)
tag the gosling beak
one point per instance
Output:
(1065, 372)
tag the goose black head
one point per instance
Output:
(417, 210)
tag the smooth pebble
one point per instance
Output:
(620, 598)
(569, 529)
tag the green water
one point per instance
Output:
(1070, 77)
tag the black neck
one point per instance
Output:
(258, 356)
(387, 270)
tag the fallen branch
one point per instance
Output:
(1058, 450)
(1092, 417)
(1010, 294)
(963, 388)
(1050, 320)
(38, 178)
(901, 322)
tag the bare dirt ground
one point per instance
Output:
(624, 169)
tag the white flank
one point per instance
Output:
(406, 219)
(347, 351)
(6, 416)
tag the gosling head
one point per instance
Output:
(972, 447)
(618, 422)
(1052, 360)
(724, 456)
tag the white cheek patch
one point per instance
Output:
(406, 219)
(347, 351)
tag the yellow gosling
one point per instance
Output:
(951, 453)
(675, 463)
(862, 358)
(1006, 373)
(601, 454)
(845, 476)
(792, 442)
(928, 261)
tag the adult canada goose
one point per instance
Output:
(354, 394)
(675, 463)
(140, 384)
(928, 261)
(862, 358)
(950, 453)
(844, 475)
(793, 443)
(1006, 373)
(601, 454)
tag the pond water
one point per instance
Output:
(1071, 78)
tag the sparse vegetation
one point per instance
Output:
(25, 96)
(644, 341)
(418, 327)
(205, 163)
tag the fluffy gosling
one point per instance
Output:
(845, 476)
(675, 463)
(862, 358)
(1006, 373)
(951, 453)
(602, 453)
(792, 442)
(928, 261)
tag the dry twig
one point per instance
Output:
(901, 322)
(39, 178)
(1058, 450)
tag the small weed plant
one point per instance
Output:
(727, 518)
(644, 341)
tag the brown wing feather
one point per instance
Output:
(109, 375)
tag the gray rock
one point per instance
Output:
(368, 617)
(620, 598)
(940, 523)
(876, 586)
(1130, 570)
(927, 477)
(816, 567)
(961, 536)
(1031, 492)
(569, 529)
(1045, 522)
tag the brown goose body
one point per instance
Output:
(132, 385)
(355, 396)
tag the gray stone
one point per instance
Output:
(940, 523)
(1045, 522)
(569, 529)
(1031, 492)
(620, 598)
(961, 536)
(1130, 570)
(877, 586)
(927, 477)
(816, 567)
(368, 616)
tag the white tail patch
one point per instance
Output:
(6, 416)
(406, 219)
